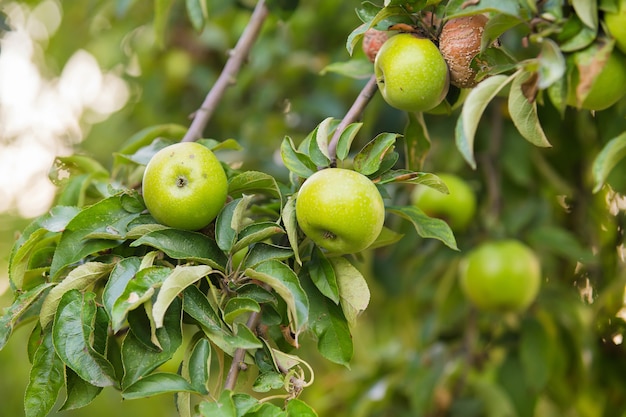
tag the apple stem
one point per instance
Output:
(351, 116)
(240, 355)
(227, 77)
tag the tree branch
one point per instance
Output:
(351, 116)
(229, 73)
(240, 354)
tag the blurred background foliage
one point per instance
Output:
(420, 349)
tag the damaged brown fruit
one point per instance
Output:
(459, 43)
(373, 39)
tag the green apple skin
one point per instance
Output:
(501, 276)
(340, 210)
(457, 208)
(411, 73)
(184, 186)
(616, 24)
(607, 88)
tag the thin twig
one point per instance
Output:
(229, 73)
(240, 354)
(351, 116)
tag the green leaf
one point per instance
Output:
(119, 278)
(298, 408)
(157, 384)
(253, 182)
(536, 353)
(285, 282)
(199, 365)
(355, 36)
(457, 8)
(473, 109)
(524, 114)
(138, 290)
(65, 167)
(262, 252)
(346, 138)
(229, 222)
(81, 278)
(244, 404)
(180, 278)
(587, 11)
(146, 136)
(256, 232)
(318, 142)
(161, 16)
(222, 407)
(197, 12)
(291, 226)
(416, 140)
(237, 306)
(107, 216)
(426, 227)
(552, 64)
(328, 323)
(496, 26)
(385, 238)
(139, 361)
(353, 290)
(357, 68)
(183, 244)
(368, 160)
(323, 275)
(45, 381)
(22, 303)
(610, 155)
(268, 381)
(79, 392)
(295, 161)
(72, 334)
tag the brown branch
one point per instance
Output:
(351, 116)
(240, 354)
(228, 76)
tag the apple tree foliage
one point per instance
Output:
(110, 295)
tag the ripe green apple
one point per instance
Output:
(616, 24)
(184, 186)
(501, 276)
(340, 210)
(411, 73)
(457, 208)
(608, 86)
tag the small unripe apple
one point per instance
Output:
(457, 208)
(616, 24)
(459, 43)
(411, 73)
(184, 186)
(373, 40)
(501, 276)
(340, 210)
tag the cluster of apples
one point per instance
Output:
(414, 74)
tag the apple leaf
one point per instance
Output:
(612, 153)
(496, 26)
(457, 8)
(156, 384)
(346, 138)
(139, 361)
(291, 226)
(416, 141)
(552, 64)
(197, 13)
(536, 353)
(475, 104)
(119, 278)
(72, 335)
(256, 232)
(146, 136)
(385, 238)
(426, 227)
(357, 68)
(183, 244)
(229, 222)
(369, 159)
(46, 379)
(323, 275)
(318, 142)
(181, 277)
(253, 182)
(224, 406)
(355, 36)
(285, 282)
(524, 113)
(268, 381)
(79, 392)
(295, 161)
(22, 303)
(296, 407)
(81, 278)
(353, 290)
(239, 305)
(262, 252)
(328, 323)
(587, 11)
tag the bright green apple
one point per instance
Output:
(411, 73)
(340, 210)
(184, 186)
(616, 24)
(501, 276)
(457, 208)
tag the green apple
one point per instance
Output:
(340, 210)
(501, 276)
(616, 24)
(607, 88)
(457, 208)
(411, 73)
(184, 186)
